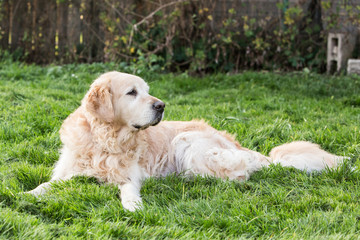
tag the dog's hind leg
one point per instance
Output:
(206, 153)
(232, 163)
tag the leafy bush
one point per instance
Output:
(196, 36)
(184, 36)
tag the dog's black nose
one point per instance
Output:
(159, 106)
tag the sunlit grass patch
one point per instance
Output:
(262, 110)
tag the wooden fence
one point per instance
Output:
(48, 30)
(45, 31)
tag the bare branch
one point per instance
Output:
(135, 26)
(117, 11)
(156, 10)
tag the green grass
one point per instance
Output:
(262, 109)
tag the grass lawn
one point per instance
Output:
(263, 110)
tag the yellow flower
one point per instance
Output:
(123, 38)
(288, 20)
(132, 50)
(246, 27)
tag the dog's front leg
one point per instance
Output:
(40, 190)
(44, 187)
(130, 196)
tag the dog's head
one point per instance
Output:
(123, 99)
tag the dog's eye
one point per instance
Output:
(132, 92)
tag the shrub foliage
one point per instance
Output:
(184, 35)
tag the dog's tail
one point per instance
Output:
(304, 156)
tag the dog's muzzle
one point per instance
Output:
(158, 107)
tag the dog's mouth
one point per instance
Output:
(154, 122)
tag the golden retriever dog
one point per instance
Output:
(117, 136)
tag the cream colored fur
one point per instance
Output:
(116, 136)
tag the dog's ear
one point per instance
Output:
(98, 103)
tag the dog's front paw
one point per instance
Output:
(40, 190)
(132, 204)
(33, 192)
